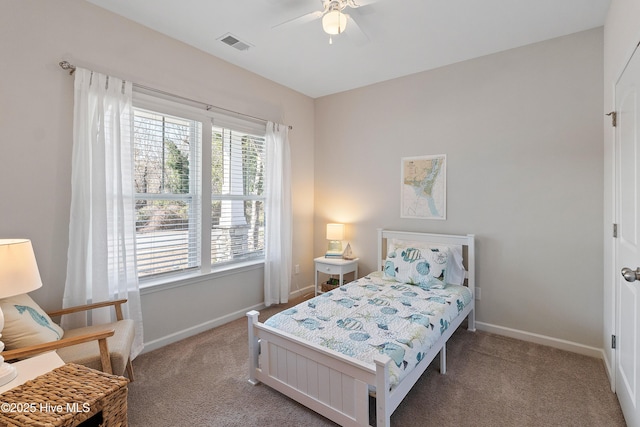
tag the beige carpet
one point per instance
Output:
(490, 381)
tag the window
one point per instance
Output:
(167, 192)
(237, 196)
(185, 210)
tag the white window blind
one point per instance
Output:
(186, 210)
(237, 195)
(168, 187)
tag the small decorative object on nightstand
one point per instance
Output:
(348, 253)
(338, 267)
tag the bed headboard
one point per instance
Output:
(467, 242)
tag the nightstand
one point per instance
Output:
(32, 367)
(337, 266)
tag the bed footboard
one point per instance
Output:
(322, 381)
(328, 383)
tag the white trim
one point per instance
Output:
(542, 339)
(209, 324)
(169, 281)
(194, 330)
(310, 289)
(608, 367)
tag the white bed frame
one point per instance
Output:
(337, 386)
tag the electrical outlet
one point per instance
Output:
(478, 293)
(296, 269)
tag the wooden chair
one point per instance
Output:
(103, 347)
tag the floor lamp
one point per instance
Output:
(18, 275)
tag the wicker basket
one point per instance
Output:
(326, 287)
(66, 396)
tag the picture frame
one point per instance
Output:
(423, 187)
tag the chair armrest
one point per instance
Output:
(101, 337)
(117, 305)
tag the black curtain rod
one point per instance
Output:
(72, 68)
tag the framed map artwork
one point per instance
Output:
(424, 187)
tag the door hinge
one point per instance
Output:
(615, 230)
(613, 341)
(613, 118)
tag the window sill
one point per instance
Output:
(186, 279)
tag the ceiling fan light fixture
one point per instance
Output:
(334, 22)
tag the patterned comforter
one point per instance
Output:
(374, 315)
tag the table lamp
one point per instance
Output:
(18, 275)
(335, 235)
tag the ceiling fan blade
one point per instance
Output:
(355, 33)
(307, 17)
(359, 3)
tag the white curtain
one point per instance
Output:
(101, 261)
(278, 216)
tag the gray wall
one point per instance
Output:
(522, 131)
(36, 116)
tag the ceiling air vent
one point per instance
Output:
(234, 42)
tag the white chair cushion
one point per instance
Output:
(88, 353)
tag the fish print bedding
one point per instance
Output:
(376, 315)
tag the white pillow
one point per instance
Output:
(26, 324)
(455, 272)
(406, 262)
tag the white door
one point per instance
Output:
(628, 241)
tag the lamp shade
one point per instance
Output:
(335, 231)
(334, 22)
(18, 269)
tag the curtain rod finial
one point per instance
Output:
(65, 65)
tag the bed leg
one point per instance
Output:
(471, 320)
(254, 347)
(443, 359)
(383, 417)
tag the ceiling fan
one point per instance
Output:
(334, 20)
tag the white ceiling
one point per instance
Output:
(404, 36)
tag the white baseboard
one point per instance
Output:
(611, 375)
(482, 326)
(542, 339)
(300, 292)
(194, 330)
(213, 323)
